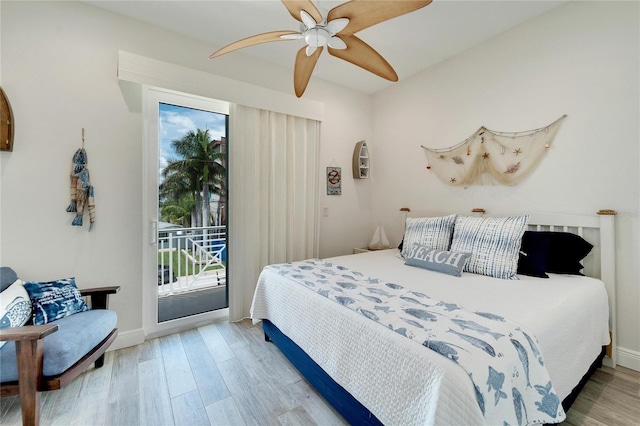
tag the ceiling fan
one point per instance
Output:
(335, 30)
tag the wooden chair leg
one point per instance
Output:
(100, 361)
(30, 354)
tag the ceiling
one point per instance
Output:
(410, 43)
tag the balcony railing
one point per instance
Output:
(191, 259)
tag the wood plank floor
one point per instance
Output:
(226, 374)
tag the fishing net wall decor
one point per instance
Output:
(490, 158)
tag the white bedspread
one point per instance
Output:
(404, 383)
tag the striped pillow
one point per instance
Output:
(432, 232)
(494, 244)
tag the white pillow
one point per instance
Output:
(15, 306)
(432, 232)
(494, 244)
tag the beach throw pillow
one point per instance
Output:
(434, 232)
(15, 306)
(447, 262)
(53, 300)
(494, 244)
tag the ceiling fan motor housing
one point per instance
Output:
(317, 37)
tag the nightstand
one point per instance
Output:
(358, 250)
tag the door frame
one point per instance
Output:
(151, 98)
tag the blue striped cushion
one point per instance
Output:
(494, 244)
(432, 232)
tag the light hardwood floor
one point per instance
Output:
(226, 374)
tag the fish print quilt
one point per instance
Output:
(503, 361)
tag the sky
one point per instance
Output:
(174, 122)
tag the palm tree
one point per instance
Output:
(199, 173)
(178, 211)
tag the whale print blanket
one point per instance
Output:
(511, 384)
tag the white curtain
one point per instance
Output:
(273, 191)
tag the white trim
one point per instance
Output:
(140, 69)
(128, 338)
(181, 324)
(628, 358)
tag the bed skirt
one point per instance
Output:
(353, 411)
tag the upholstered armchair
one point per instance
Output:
(36, 358)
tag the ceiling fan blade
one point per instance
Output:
(304, 68)
(361, 54)
(296, 6)
(365, 13)
(253, 40)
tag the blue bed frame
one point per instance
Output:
(341, 400)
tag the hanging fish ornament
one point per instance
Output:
(81, 190)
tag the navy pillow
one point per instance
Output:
(566, 250)
(53, 300)
(550, 251)
(534, 252)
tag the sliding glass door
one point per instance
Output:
(185, 193)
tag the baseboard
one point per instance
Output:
(629, 358)
(128, 338)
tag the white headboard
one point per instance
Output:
(599, 230)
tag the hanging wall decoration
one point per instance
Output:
(489, 158)
(81, 188)
(334, 181)
(6, 123)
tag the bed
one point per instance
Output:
(362, 362)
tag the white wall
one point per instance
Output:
(59, 62)
(581, 59)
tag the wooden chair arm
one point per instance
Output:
(27, 332)
(100, 295)
(97, 290)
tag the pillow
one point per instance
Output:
(534, 252)
(15, 306)
(54, 300)
(7, 277)
(447, 262)
(433, 232)
(494, 244)
(566, 250)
